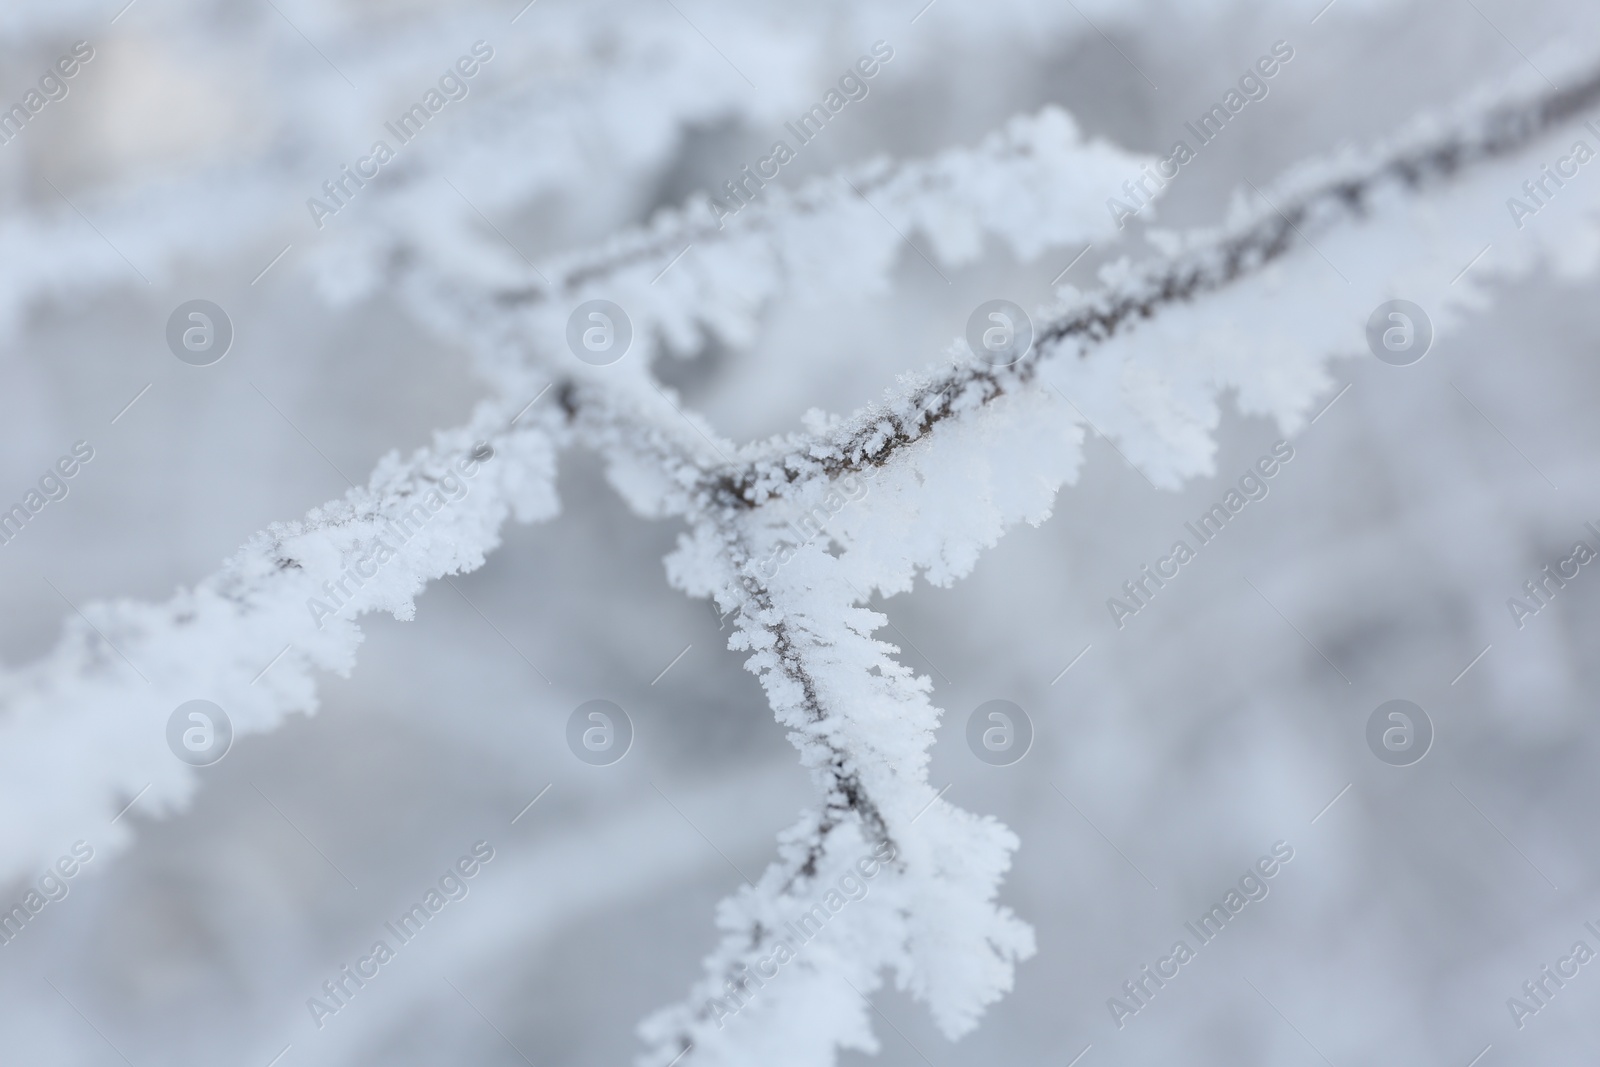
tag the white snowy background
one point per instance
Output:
(1220, 720)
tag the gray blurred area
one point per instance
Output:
(1227, 716)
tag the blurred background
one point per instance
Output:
(1176, 751)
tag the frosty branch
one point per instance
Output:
(218, 637)
(792, 657)
(1317, 198)
(862, 722)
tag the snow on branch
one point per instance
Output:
(84, 730)
(1359, 191)
(887, 876)
(1035, 184)
(884, 876)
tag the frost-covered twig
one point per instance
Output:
(1034, 184)
(84, 730)
(1312, 200)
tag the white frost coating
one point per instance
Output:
(1034, 184)
(1155, 389)
(84, 729)
(931, 917)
